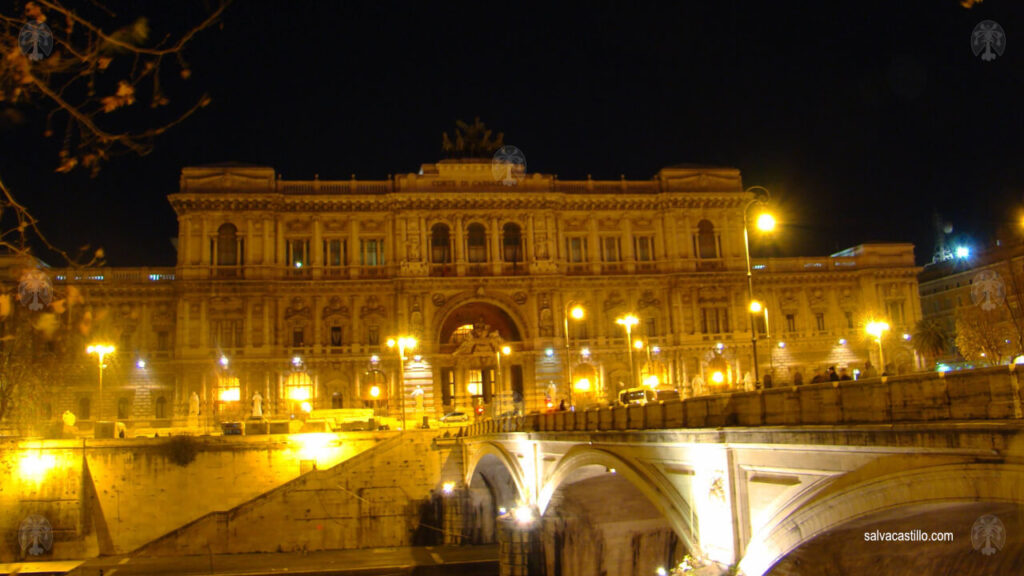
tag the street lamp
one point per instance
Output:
(877, 328)
(628, 321)
(766, 223)
(576, 312)
(403, 343)
(755, 309)
(100, 350)
(499, 378)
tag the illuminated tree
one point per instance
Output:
(982, 335)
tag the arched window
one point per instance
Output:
(161, 408)
(440, 244)
(124, 406)
(476, 243)
(707, 245)
(227, 245)
(512, 243)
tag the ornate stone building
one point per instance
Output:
(292, 289)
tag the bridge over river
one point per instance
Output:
(797, 480)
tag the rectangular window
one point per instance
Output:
(715, 320)
(475, 384)
(373, 335)
(371, 251)
(652, 328)
(162, 341)
(819, 321)
(298, 253)
(790, 322)
(643, 247)
(126, 340)
(576, 249)
(298, 337)
(610, 249)
(447, 387)
(895, 312)
(760, 324)
(849, 319)
(335, 253)
(336, 336)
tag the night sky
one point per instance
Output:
(861, 118)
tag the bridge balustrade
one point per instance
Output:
(981, 394)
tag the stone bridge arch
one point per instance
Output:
(485, 456)
(582, 462)
(959, 489)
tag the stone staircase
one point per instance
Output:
(373, 499)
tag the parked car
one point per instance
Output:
(454, 417)
(667, 395)
(636, 396)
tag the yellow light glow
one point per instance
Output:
(506, 350)
(299, 393)
(877, 328)
(375, 391)
(651, 381)
(755, 307)
(403, 342)
(628, 321)
(316, 446)
(638, 344)
(100, 350)
(229, 394)
(448, 487)
(577, 312)
(36, 467)
(717, 377)
(523, 514)
(765, 222)
(472, 388)
(306, 407)
(582, 385)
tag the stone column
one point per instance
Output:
(515, 541)
(460, 247)
(454, 517)
(627, 246)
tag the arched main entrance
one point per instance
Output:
(480, 365)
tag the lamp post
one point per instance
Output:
(628, 321)
(877, 328)
(765, 222)
(755, 309)
(499, 377)
(100, 350)
(577, 313)
(402, 343)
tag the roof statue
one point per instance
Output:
(471, 141)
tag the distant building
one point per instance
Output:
(293, 288)
(989, 282)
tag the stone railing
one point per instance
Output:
(982, 394)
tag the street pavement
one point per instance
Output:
(429, 560)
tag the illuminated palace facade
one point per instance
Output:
(292, 289)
